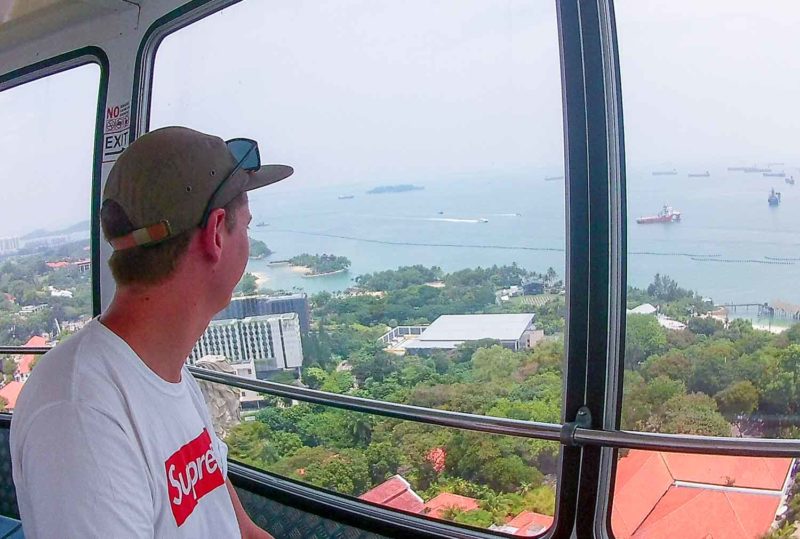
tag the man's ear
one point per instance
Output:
(211, 236)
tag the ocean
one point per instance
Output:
(730, 245)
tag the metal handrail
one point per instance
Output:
(36, 350)
(445, 418)
(683, 443)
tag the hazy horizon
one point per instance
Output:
(423, 93)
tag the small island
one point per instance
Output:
(381, 189)
(258, 249)
(319, 265)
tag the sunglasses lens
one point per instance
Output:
(246, 153)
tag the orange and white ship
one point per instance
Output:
(666, 215)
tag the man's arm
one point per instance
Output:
(78, 476)
(246, 525)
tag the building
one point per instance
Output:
(444, 501)
(526, 524)
(261, 305)
(514, 331)
(25, 363)
(664, 495)
(533, 288)
(396, 493)
(269, 343)
(247, 398)
(9, 245)
(10, 392)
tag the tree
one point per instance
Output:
(665, 289)
(704, 325)
(738, 398)
(494, 364)
(673, 364)
(643, 338)
(258, 249)
(248, 285)
(694, 414)
(711, 366)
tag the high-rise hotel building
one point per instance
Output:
(268, 342)
(261, 305)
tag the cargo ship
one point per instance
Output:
(705, 174)
(774, 198)
(672, 172)
(775, 174)
(666, 215)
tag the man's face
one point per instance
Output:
(236, 250)
(241, 242)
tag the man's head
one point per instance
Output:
(163, 188)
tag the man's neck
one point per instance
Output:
(160, 323)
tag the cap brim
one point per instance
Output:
(267, 175)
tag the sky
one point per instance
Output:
(422, 91)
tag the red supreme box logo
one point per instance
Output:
(192, 472)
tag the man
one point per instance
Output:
(111, 437)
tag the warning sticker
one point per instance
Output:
(115, 134)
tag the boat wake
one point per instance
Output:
(451, 220)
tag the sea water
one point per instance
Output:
(730, 245)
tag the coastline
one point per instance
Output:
(304, 270)
(261, 278)
(310, 275)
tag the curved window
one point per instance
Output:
(712, 345)
(46, 148)
(417, 255)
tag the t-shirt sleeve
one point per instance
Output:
(82, 477)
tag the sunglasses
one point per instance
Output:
(245, 151)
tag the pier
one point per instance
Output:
(781, 309)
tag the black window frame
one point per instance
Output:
(59, 64)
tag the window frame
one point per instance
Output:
(52, 66)
(596, 272)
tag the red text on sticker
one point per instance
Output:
(192, 472)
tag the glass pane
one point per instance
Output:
(417, 253)
(710, 115)
(46, 148)
(496, 482)
(659, 494)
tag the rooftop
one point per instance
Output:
(25, 362)
(660, 495)
(10, 392)
(471, 327)
(396, 493)
(438, 505)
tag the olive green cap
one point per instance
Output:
(164, 180)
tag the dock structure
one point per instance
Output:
(779, 308)
(786, 310)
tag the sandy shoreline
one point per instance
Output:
(771, 329)
(309, 275)
(261, 278)
(304, 270)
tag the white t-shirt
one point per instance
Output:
(103, 447)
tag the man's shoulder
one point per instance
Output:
(58, 375)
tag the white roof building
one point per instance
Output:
(514, 331)
(644, 308)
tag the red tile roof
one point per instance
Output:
(660, 495)
(10, 392)
(437, 506)
(396, 493)
(24, 366)
(529, 523)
